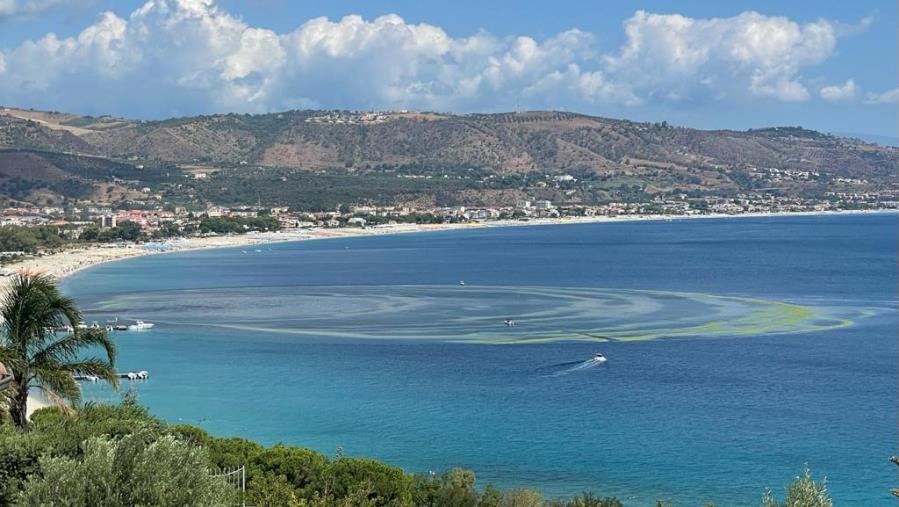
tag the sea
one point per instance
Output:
(738, 351)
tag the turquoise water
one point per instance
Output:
(738, 350)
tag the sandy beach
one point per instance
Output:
(67, 262)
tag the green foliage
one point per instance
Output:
(802, 492)
(588, 499)
(382, 485)
(303, 469)
(19, 457)
(53, 433)
(232, 452)
(453, 489)
(521, 498)
(233, 225)
(307, 191)
(270, 490)
(125, 231)
(15, 238)
(135, 470)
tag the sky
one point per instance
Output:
(831, 66)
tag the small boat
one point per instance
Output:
(140, 326)
(120, 327)
(509, 322)
(461, 283)
(599, 358)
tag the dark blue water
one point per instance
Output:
(294, 344)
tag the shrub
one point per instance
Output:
(382, 485)
(135, 470)
(802, 492)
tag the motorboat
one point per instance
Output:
(509, 322)
(140, 326)
(599, 358)
(461, 283)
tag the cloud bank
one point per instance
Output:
(194, 56)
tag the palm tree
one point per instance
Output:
(38, 356)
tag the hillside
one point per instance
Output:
(653, 158)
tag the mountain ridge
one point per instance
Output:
(652, 158)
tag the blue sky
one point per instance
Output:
(831, 66)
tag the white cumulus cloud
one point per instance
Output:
(887, 97)
(845, 91)
(680, 58)
(192, 56)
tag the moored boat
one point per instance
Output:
(140, 326)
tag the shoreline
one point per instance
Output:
(66, 263)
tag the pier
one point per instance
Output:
(140, 375)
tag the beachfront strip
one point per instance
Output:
(159, 220)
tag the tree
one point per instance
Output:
(802, 492)
(522, 498)
(382, 485)
(139, 469)
(128, 230)
(304, 469)
(453, 489)
(37, 355)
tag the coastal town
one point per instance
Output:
(155, 221)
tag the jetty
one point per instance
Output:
(131, 375)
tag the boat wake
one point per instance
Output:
(574, 367)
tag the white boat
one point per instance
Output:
(599, 358)
(140, 326)
(462, 283)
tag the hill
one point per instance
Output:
(654, 158)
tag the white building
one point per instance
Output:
(106, 221)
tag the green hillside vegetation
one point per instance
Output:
(346, 157)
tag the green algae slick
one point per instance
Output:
(501, 314)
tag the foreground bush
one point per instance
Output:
(802, 492)
(135, 470)
(119, 455)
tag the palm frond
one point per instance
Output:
(67, 347)
(57, 381)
